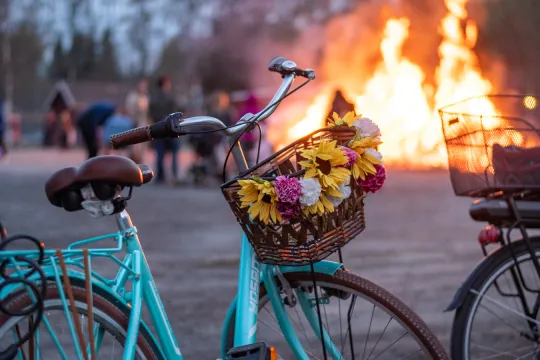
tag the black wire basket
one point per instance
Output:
(493, 144)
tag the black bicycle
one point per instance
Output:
(493, 145)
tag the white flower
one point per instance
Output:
(345, 190)
(311, 190)
(374, 153)
(367, 127)
(335, 200)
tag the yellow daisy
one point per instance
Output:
(347, 120)
(322, 162)
(260, 196)
(367, 157)
(321, 207)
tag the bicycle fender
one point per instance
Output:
(50, 275)
(323, 267)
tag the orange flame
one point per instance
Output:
(397, 98)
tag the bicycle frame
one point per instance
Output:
(134, 268)
(252, 273)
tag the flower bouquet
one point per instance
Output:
(307, 200)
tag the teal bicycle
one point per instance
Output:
(317, 310)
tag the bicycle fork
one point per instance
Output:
(251, 271)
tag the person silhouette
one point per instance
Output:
(340, 105)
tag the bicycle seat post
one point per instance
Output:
(123, 221)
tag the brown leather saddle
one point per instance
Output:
(105, 174)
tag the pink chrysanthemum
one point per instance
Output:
(288, 210)
(374, 183)
(288, 189)
(351, 155)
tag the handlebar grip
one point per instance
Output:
(131, 137)
(164, 129)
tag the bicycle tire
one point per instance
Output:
(369, 290)
(113, 310)
(494, 262)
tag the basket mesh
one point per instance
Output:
(312, 238)
(493, 144)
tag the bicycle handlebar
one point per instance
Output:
(173, 126)
(163, 129)
(283, 66)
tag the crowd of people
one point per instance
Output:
(94, 125)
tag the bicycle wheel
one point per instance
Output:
(494, 321)
(53, 339)
(381, 326)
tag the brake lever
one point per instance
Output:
(174, 120)
(308, 74)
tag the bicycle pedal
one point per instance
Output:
(258, 351)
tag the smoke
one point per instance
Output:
(347, 49)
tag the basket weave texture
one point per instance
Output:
(308, 238)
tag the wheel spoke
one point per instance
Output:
(412, 353)
(327, 325)
(340, 326)
(497, 352)
(302, 325)
(495, 302)
(272, 328)
(524, 356)
(389, 346)
(516, 303)
(53, 340)
(52, 334)
(369, 331)
(380, 336)
(508, 323)
(376, 328)
(509, 288)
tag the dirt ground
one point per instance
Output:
(419, 243)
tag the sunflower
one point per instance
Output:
(323, 161)
(347, 120)
(260, 196)
(321, 207)
(367, 157)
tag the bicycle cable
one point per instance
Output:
(254, 121)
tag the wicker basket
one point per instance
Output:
(493, 144)
(310, 238)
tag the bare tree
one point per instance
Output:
(140, 31)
